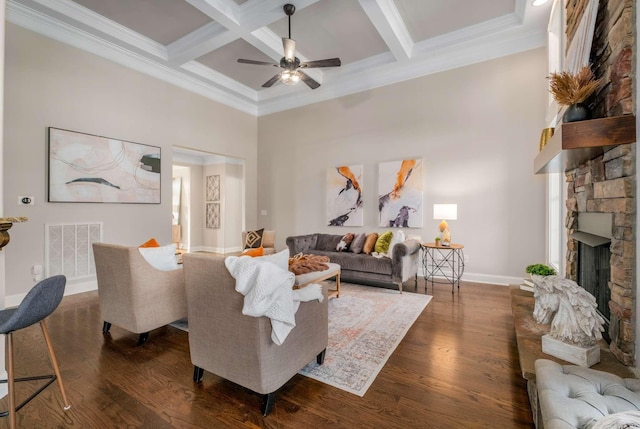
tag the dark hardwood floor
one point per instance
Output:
(457, 367)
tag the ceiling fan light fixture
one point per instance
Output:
(289, 77)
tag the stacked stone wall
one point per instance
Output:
(607, 184)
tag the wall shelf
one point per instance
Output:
(574, 143)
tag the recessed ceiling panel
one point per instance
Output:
(427, 19)
(225, 61)
(163, 21)
(332, 28)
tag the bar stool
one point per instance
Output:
(39, 303)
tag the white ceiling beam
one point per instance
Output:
(205, 39)
(385, 17)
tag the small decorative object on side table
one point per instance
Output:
(446, 262)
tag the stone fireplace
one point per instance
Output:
(605, 183)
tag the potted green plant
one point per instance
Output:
(540, 270)
(437, 241)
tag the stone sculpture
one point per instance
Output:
(570, 309)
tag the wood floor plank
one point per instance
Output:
(457, 367)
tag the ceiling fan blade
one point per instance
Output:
(308, 80)
(329, 62)
(270, 82)
(289, 49)
(258, 63)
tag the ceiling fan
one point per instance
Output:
(291, 66)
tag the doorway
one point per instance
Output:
(208, 201)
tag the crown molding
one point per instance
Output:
(498, 37)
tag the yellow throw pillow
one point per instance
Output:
(383, 242)
(370, 243)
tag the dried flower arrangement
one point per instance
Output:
(568, 88)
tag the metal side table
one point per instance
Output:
(444, 262)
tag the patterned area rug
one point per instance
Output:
(366, 324)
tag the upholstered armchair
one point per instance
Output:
(239, 348)
(133, 294)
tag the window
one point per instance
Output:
(555, 221)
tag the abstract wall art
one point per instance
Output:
(400, 193)
(344, 196)
(84, 168)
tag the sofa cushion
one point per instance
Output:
(253, 239)
(345, 242)
(383, 242)
(369, 243)
(161, 258)
(358, 243)
(358, 262)
(327, 242)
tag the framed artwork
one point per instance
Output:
(344, 196)
(400, 193)
(213, 216)
(213, 188)
(84, 168)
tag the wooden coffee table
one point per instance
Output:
(306, 279)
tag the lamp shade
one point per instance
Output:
(445, 211)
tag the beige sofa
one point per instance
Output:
(239, 348)
(133, 294)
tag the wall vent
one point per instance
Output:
(68, 249)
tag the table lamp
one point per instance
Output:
(445, 212)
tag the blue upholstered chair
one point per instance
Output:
(39, 303)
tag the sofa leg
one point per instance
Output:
(198, 374)
(267, 403)
(105, 327)
(320, 357)
(143, 338)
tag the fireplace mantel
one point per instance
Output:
(574, 143)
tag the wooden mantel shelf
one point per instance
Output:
(574, 143)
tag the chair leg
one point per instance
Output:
(105, 327)
(198, 373)
(143, 338)
(267, 404)
(320, 357)
(54, 363)
(10, 379)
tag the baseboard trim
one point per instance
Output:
(70, 289)
(483, 278)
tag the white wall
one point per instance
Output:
(477, 129)
(50, 84)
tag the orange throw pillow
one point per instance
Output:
(370, 243)
(258, 251)
(150, 243)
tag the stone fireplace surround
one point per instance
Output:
(606, 184)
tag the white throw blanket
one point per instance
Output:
(267, 291)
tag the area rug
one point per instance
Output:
(366, 324)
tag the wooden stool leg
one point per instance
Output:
(10, 379)
(54, 363)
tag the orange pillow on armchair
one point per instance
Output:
(150, 243)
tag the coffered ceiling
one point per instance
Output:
(195, 44)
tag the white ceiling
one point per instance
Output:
(194, 44)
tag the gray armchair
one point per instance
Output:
(133, 294)
(239, 348)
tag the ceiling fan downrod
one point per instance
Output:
(289, 10)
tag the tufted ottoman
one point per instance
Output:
(571, 396)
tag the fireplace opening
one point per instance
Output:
(594, 272)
